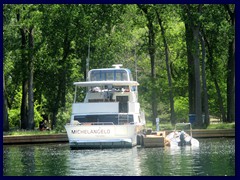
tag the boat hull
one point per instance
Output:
(102, 136)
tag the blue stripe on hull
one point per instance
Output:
(100, 145)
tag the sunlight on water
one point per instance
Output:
(214, 157)
(104, 162)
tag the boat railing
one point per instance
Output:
(90, 123)
(124, 118)
(102, 123)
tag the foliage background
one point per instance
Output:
(118, 34)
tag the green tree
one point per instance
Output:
(231, 64)
(177, 51)
(192, 24)
(166, 50)
(149, 13)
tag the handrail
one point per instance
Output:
(91, 123)
(102, 123)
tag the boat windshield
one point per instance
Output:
(110, 75)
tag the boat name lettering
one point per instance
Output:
(91, 131)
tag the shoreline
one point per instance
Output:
(55, 138)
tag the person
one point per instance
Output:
(96, 89)
(182, 139)
(47, 125)
(42, 125)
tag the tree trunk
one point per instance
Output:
(63, 76)
(5, 108)
(231, 83)
(231, 68)
(213, 75)
(192, 25)
(24, 76)
(204, 84)
(191, 75)
(198, 102)
(151, 50)
(30, 81)
(24, 81)
(24, 117)
(54, 118)
(171, 100)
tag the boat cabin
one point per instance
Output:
(110, 93)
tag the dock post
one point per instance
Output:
(157, 124)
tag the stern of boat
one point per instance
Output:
(102, 136)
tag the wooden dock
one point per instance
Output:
(35, 139)
(156, 139)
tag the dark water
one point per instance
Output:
(214, 157)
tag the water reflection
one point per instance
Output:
(214, 157)
(109, 162)
(31, 160)
(170, 162)
(218, 157)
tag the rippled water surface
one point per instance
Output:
(214, 157)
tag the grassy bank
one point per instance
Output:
(222, 126)
(168, 126)
(29, 132)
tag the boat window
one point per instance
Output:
(105, 118)
(95, 76)
(130, 75)
(125, 119)
(130, 118)
(133, 88)
(121, 75)
(118, 76)
(110, 75)
(125, 77)
(97, 118)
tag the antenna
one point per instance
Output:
(117, 66)
(135, 57)
(88, 59)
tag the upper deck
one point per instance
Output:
(109, 90)
(109, 85)
(110, 74)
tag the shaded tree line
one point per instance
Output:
(183, 65)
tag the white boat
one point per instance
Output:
(110, 115)
(180, 137)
